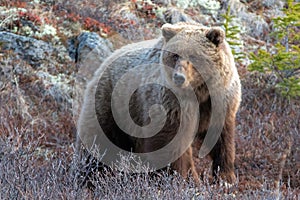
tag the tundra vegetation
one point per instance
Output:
(42, 47)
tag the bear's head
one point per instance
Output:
(193, 53)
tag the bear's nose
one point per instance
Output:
(179, 79)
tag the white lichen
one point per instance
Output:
(47, 29)
(27, 31)
(8, 16)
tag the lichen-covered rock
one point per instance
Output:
(253, 23)
(207, 7)
(273, 4)
(32, 50)
(173, 16)
(93, 42)
(87, 42)
(162, 2)
(88, 50)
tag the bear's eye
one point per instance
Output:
(175, 57)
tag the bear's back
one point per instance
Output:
(130, 56)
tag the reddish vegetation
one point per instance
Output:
(93, 25)
(14, 4)
(28, 16)
(145, 9)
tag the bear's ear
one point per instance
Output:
(169, 31)
(216, 35)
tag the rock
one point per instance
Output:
(253, 24)
(88, 50)
(206, 7)
(162, 2)
(173, 15)
(92, 42)
(274, 4)
(29, 49)
(89, 42)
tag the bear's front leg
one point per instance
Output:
(223, 153)
(185, 165)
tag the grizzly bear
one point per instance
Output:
(156, 98)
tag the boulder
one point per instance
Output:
(89, 42)
(29, 49)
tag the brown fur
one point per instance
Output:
(212, 51)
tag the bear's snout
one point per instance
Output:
(179, 79)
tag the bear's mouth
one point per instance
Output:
(180, 80)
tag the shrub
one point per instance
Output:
(283, 59)
(232, 32)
